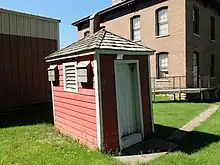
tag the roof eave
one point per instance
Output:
(29, 15)
(76, 23)
(70, 55)
(126, 52)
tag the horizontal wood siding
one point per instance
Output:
(23, 70)
(75, 113)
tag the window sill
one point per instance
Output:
(213, 41)
(197, 35)
(70, 90)
(162, 80)
(167, 35)
(138, 41)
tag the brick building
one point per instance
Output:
(183, 32)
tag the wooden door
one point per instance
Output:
(129, 116)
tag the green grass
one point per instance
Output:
(174, 115)
(42, 145)
(201, 147)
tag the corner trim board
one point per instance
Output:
(150, 94)
(98, 95)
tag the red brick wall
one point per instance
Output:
(75, 113)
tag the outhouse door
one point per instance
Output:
(129, 111)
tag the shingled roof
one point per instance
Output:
(102, 39)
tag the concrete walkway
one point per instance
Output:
(182, 132)
(154, 148)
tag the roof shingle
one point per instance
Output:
(102, 39)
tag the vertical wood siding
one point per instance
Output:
(110, 123)
(25, 41)
(23, 70)
(75, 113)
(15, 23)
(109, 108)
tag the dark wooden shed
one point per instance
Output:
(101, 91)
(25, 40)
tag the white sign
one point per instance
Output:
(120, 57)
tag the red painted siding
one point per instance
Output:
(109, 108)
(75, 113)
(23, 70)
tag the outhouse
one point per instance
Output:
(103, 94)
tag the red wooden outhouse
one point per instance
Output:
(101, 91)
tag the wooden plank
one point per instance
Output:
(76, 103)
(14, 70)
(45, 67)
(2, 98)
(75, 96)
(70, 107)
(7, 69)
(81, 91)
(81, 131)
(29, 69)
(81, 122)
(34, 63)
(22, 71)
(40, 69)
(90, 142)
(69, 122)
(75, 112)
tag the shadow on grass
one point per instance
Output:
(28, 115)
(191, 143)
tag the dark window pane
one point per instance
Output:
(212, 28)
(196, 20)
(135, 25)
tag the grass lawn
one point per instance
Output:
(42, 145)
(201, 147)
(171, 116)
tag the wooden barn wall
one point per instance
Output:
(109, 108)
(23, 70)
(75, 113)
(25, 40)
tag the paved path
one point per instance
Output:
(182, 132)
(154, 148)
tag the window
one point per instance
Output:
(135, 26)
(212, 28)
(162, 22)
(212, 74)
(162, 65)
(195, 20)
(86, 33)
(70, 77)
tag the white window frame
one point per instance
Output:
(64, 77)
